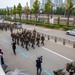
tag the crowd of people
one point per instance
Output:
(4, 26)
(27, 38)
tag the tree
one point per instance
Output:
(4, 13)
(0, 11)
(27, 10)
(14, 11)
(19, 10)
(69, 6)
(48, 8)
(59, 10)
(35, 9)
(8, 13)
(11, 11)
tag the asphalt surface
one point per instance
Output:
(53, 32)
(55, 56)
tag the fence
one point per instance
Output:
(62, 41)
(61, 21)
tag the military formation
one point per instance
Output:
(27, 38)
(4, 26)
(23, 37)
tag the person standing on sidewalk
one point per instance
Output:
(38, 65)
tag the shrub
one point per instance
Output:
(45, 24)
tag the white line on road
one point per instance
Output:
(46, 29)
(57, 54)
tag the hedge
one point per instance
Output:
(44, 24)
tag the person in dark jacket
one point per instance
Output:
(71, 71)
(38, 65)
(14, 47)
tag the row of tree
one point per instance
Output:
(12, 11)
(67, 8)
(18, 10)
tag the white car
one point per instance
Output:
(70, 32)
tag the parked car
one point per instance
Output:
(17, 25)
(70, 32)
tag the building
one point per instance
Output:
(31, 3)
(58, 3)
(55, 3)
(74, 1)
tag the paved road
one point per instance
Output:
(58, 33)
(55, 56)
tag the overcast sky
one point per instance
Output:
(11, 3)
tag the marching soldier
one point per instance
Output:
(38, 41)
(5, 28)
(12, 35)
(33, 42)
(2, 27)
(22, 41)
(42, 39)
(29, 38)
(34, 31)
(17, 38)
(26, 42)
(11, 30)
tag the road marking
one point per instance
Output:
(57, 54)
(47, 72)
(16, 49)
(22, 53)
(6, 41)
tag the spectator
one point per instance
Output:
(14, 47)
(38, 65)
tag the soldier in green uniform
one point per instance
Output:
(33, 42)
(38, 41)
(42, 39)
(17, 38)
(22, 41)
(26, 42)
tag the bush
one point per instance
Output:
(45, 24)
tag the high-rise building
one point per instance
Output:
(58, 2)
(66, 1)
(31, 3)
(73, 1)
(55, 3)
